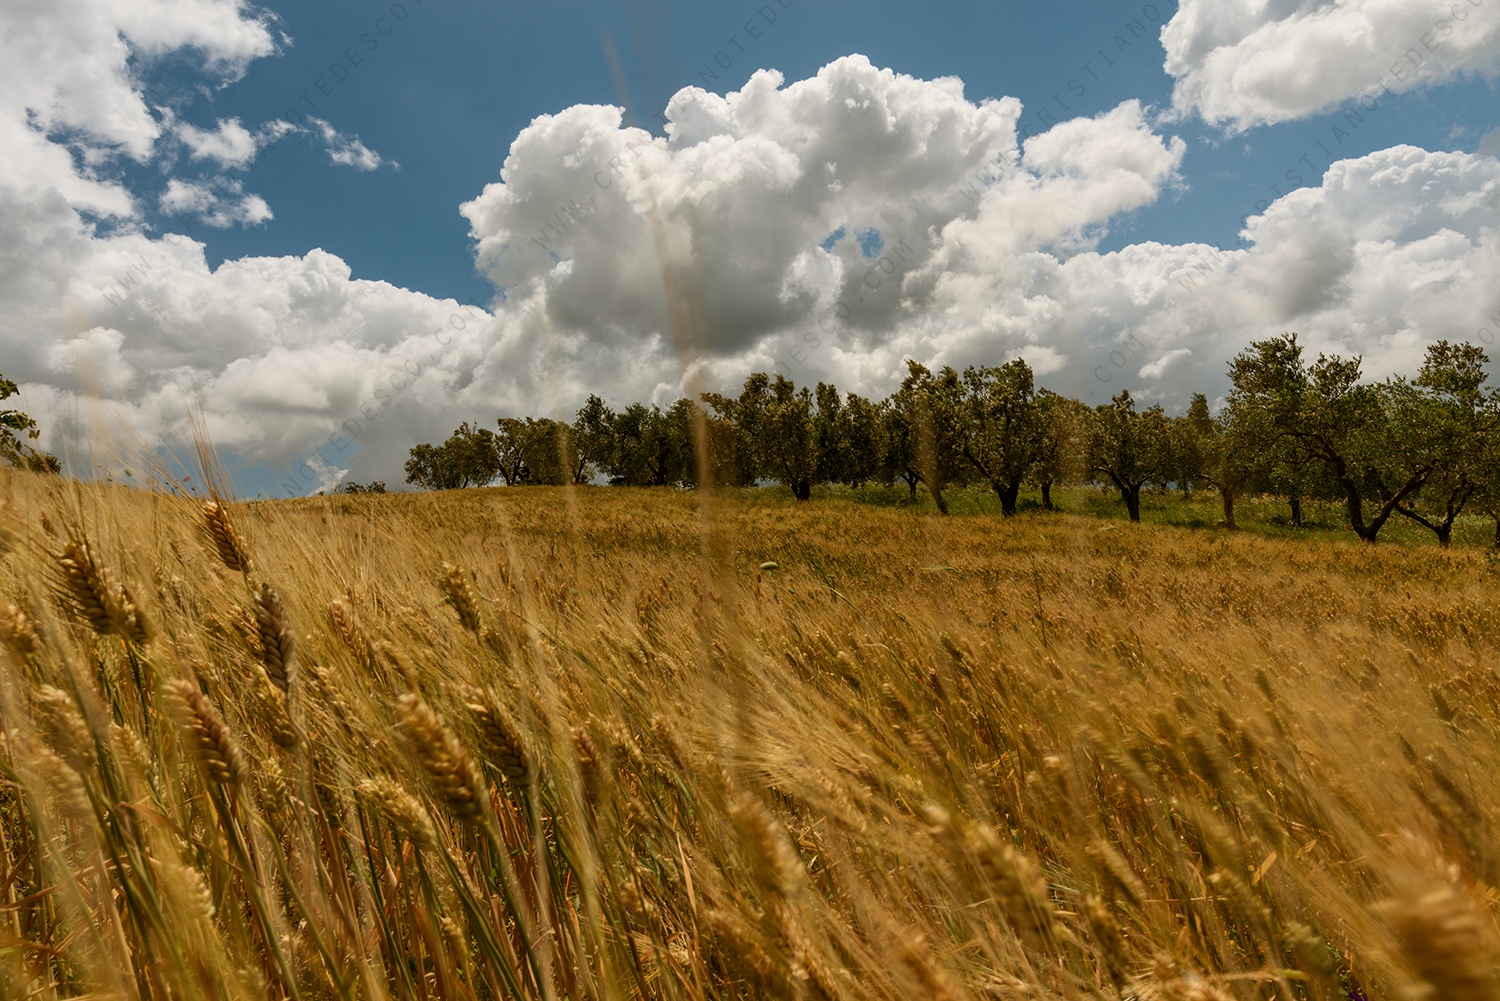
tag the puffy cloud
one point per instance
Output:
(346, 150)
(1489, 143)
(230, 144)
(283, 353)
(1388, 254)
(1073, 180)
(765, 205)
(745, 186)
(1155, 369)
(1250, 64)
(92, 361)
(221, 203)
(988, 247)
(66, 82)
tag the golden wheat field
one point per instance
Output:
(614, 743)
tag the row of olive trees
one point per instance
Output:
(1424, 447)
(639, 446)
(774, 431)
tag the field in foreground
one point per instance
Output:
(620, 744)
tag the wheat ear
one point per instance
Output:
(401, 810)
(276, 640)
(502, 741)
(225, 538)
(207, 735)
(456, 589)
(18, 631)
(105, 604)
(449, 767)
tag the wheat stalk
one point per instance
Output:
(225, 538)
(277, 645)
(454, 776)
(456, 590)
(9, 537)
(105, 604)
(208, 737)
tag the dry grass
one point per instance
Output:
(527, 743)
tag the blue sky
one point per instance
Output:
(445, 92)
(271, 209)
(451, 85)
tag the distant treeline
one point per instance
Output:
(1425, 447)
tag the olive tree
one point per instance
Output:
(1454, 419)
(777, 422)
(999, 427)
(1130, 447)
(1365, 437)
(923, 431)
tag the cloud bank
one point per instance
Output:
(1247, 64)
(827, 228)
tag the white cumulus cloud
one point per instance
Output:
(347, 150)
(1247, 64)
(229, 144)
(67, 83)
(220, 203)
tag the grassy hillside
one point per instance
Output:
(630, 744)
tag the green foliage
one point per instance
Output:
(593, 438)
(858, 441)
(1130, 448)
(1062, 442)
(16, 428)
(1223, 452)
(469, 458)
(1455, 420)
(924, 431)
(432, 468)
(1387, 448)
(534, 450)
(653, 447)
(778, 425)
(999, 427)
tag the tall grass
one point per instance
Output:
(527, 743)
